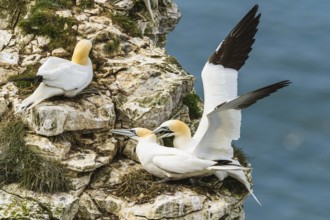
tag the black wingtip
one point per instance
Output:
(263, 92)
(235, 48)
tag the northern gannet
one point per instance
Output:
(220, 73)
(216, 142)
(169, 163)
(62, 77)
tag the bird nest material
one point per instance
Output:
(141, 187)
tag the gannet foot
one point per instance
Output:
(89, 91)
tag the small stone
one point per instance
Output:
(4, 75)
(93, 11)
(101, 19)
(64, 13)
(125, 5)
(59, 52)
(31, 59)
(3, 107)
(46, 148)
(8, 58)
(42, 41)
(87, 208)
(5, 37)
(81, 17)
(82, 161)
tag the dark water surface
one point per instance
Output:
(286, 135)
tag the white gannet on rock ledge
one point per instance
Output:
(170, 163)
(61, 77)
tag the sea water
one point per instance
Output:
(286, 135)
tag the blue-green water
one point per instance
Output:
(286, 135)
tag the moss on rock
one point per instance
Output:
(44, 21)
(191, 100)
(128, 25)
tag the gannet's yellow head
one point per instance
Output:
(81, 51)
(136, 133)
(173, 128)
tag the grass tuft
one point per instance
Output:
(127, 25)
(111, 46)
(85, 4)
(240, 155)
(18, 164)
(43, 21)
(191, 100)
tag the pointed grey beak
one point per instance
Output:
(125, 132)
(91, 40)
(163, 132)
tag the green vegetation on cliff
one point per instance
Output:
(19, 164)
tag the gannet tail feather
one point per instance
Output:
(235, 48)
(35, 79)
(254, 196)
(240, 177)
(41, 93)
(227, 167)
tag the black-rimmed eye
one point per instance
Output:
(165, 130)
(133, 131)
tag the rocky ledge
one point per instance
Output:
(137, 84)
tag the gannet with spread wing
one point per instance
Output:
(219, 77)
(219, 132)
(62, 77)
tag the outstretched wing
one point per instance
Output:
(216, 143)
(220, 73)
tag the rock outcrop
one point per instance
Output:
(137, 84)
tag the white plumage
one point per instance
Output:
(218, 132)
(62, 77)
(171, 163)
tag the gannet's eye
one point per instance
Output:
(133, 131)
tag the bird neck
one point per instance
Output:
(182, 141)
(80, 58)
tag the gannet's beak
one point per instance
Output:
(163, 132)
(125, 132)
(91, 40)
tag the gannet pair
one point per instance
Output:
(219, 126)
(169, 163)
(62, 77)
(173, 163)
(219, 77)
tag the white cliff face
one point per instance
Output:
(138, 84)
